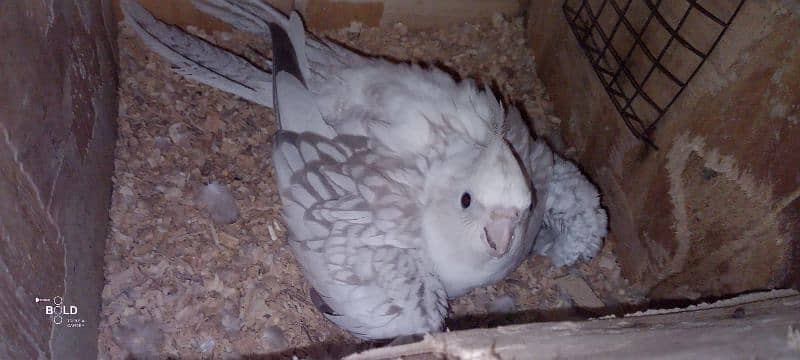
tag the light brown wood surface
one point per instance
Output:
(330, 14)
(764, 326)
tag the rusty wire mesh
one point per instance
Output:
(645, 52)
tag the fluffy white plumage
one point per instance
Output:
(574, 220)
(401, 187)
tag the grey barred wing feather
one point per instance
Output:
(257, 17)
(207, 63)
(199, 60)
(244, 15)
(320, 58)
(354, 232)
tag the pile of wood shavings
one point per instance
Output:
(179, 285)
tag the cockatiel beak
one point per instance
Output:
(499, 231)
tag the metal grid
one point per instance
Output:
(645, 52)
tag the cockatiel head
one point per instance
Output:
(475, 221)
(476, 197)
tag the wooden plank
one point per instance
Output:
(182, 13)
(333, 14)
(765, 325)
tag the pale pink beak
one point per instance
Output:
(499, 231)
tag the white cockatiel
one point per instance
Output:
(401, 187)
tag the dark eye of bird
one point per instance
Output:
(466, 199)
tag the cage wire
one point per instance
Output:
(645, 52)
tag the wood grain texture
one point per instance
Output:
(753, 328)
(333, 14)
(722, 193)
(57, 120)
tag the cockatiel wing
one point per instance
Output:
(257, 17)
(354, 231)
(199, 60)
(320, 58)
(204, 62)
(295, 105)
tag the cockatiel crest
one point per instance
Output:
(401, 188)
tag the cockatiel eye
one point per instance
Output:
(466, 200)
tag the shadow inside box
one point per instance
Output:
(324, 350)
(336, 350)
(478, 321)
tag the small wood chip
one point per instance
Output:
(213, 231)
(228, 240)
(580, 292)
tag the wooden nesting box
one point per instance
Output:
(713, 212)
